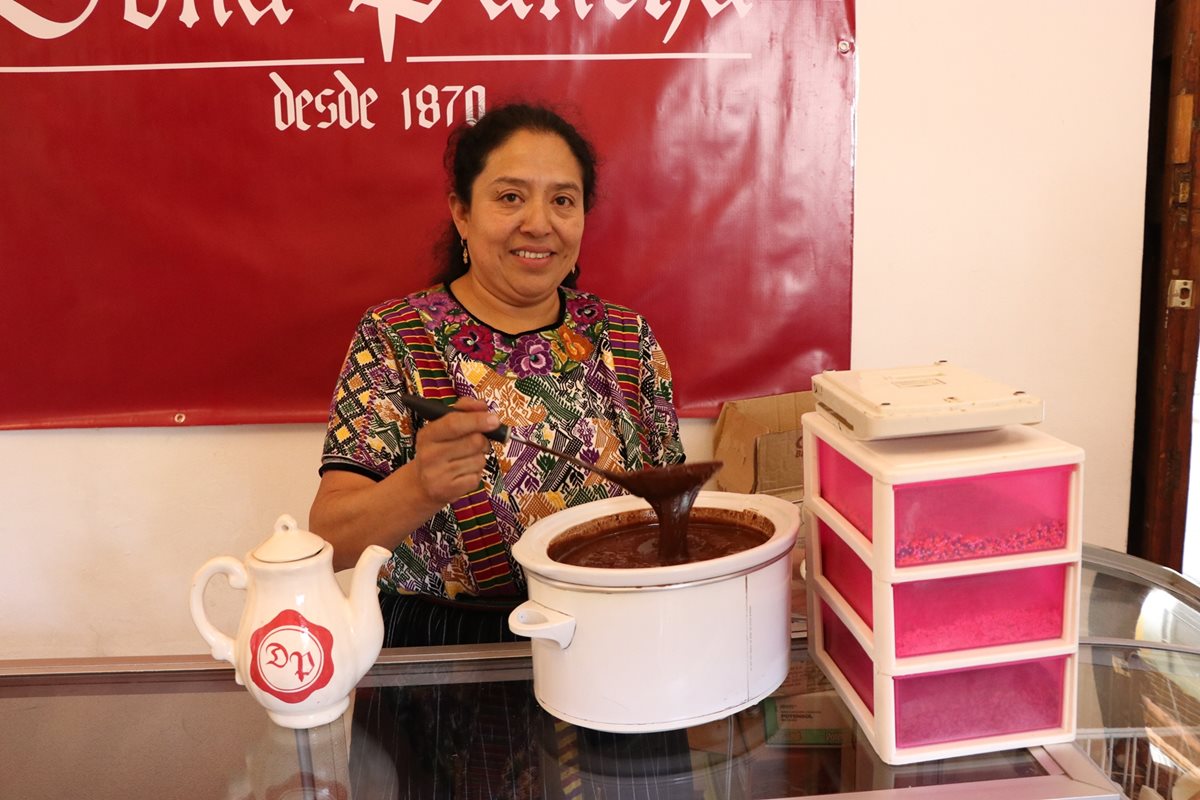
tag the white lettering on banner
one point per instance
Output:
(348, 110)
(521, 8)
(620, 9)
(429, 105)
(189, 17)
(388, 11)
(656, 9)
(42, 28)
(416, 11)
(413, 10)
(38, 26)
(550, 9)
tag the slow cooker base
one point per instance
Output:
(653, 727)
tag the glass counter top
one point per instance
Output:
(462, 722)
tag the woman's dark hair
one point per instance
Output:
(468, 149)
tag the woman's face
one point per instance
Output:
(525, 221)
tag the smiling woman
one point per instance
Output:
(506, 337)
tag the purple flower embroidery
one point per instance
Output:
(474, 341)
(584, 310)
(440, 307)
(587, 435)
(531, 356)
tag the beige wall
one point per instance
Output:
(998, 213)
(999, 193)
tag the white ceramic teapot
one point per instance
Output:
(302, 645)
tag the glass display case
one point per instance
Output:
(462, 722)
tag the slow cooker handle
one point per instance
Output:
(534, 620)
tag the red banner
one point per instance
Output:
(200, 198)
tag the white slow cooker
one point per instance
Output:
(659, 648)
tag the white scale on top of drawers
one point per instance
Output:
(917, 401)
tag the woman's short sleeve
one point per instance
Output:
(368, 432)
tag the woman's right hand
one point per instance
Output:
(451, 452)
(353, 511)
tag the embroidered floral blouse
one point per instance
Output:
(558, 385)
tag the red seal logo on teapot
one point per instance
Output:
(290, 657)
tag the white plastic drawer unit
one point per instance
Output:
(943, 578)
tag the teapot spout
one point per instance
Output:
(364, 605)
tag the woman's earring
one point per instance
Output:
(466, 255)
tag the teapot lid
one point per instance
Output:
(289, 543)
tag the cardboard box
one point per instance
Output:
(813, 719)
(759, 440)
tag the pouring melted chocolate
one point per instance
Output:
(671, 492)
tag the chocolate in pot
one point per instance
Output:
(631, 540)
(671, 492)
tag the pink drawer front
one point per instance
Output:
(994, 608)
(982, 515)
(845, 486)
(847, 573)
(980, 701)
(845, 651)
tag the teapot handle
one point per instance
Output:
(222, 645)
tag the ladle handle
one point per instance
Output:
(435, 409)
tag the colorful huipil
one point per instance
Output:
(595, 385)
